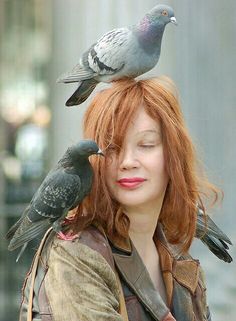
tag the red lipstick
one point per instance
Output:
(131, 182)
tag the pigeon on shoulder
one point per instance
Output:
(120, 53)
(212, 236)
(62, 190)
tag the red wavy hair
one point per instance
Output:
(106, 121)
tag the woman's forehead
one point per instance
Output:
(140, 124)
(143, 122)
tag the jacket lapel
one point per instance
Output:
(136, 275)
(180, 275)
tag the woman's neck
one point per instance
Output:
(143, 224)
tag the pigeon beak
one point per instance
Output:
(99, 152)
(173, 20)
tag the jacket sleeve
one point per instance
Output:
(205, 307)
(80, 284)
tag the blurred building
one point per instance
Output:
(25, 119)
(40, 39)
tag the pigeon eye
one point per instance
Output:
(164, 13)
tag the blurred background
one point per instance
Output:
(41, 39)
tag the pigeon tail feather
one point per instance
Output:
(210, 228)
(36, 229)
(21, 252)
(218, 248)
(82, 92)
(14, 228)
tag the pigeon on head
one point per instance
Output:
(120, 53)
(62, 190)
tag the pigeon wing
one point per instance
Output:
(105, 57)
(58, 194)
(78, 73)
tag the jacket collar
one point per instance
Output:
(137, 277)
(124, 244)
(121, 244)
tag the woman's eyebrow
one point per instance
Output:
(152, 131)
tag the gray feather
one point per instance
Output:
(217, 247)
(212, 236)
(27, 232)
(21, 252)
(77, 74)
(82, 92)
(14, 228)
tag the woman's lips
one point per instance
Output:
(131, 182)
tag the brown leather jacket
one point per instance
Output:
(76, 281)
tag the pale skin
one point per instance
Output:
(137, 178)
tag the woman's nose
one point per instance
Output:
(127, 159)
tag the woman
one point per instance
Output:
(139, 220)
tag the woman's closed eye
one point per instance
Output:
(147, 145)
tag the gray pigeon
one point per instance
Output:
(120, 53)
(63, 189)
(210, 234)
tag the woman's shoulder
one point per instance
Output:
(89, 244)
(79, 267)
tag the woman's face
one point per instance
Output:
(136, 175)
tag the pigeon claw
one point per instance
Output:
(67, 237)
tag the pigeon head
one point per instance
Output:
(79, 152)
(161, 15)
(151, 28)
(85, 148)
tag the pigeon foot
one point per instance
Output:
(67, 237)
